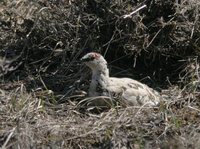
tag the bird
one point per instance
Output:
(128, 90)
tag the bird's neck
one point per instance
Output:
(101, 75)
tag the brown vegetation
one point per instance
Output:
(42, 81)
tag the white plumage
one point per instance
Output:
(130, 91)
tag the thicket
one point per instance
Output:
(40, 46)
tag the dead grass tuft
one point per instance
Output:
(43, 85)
(29, 121)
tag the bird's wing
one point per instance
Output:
(139, 97)
(133, 91)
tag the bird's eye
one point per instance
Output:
(91, 58)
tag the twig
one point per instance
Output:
(194, 108)
(8, 138)
(129, 15)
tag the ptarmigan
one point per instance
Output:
(126, 89)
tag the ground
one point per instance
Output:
(43, 83)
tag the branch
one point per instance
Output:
(129, 15)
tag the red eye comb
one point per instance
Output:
(95, 55)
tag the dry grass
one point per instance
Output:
(43, 84)
(29, 121)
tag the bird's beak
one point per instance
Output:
(83, 59)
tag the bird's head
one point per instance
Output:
(94, 60)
